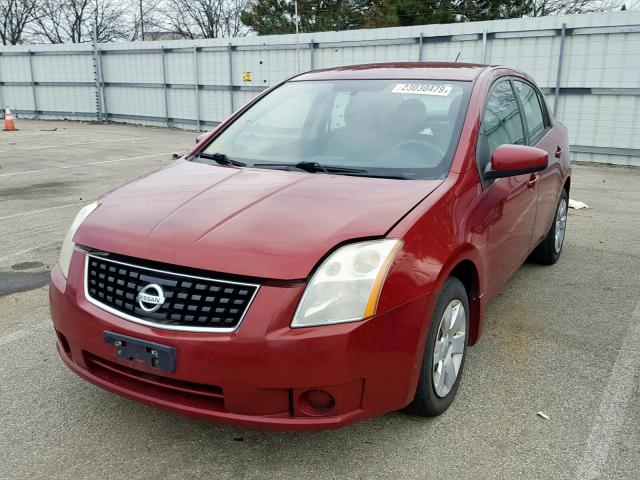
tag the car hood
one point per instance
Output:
(251, 222)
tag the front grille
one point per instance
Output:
(182, 302)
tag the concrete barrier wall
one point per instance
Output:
(588, 67)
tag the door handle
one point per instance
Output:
(558, 152)
(533, 180)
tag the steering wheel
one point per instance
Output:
(420, 150)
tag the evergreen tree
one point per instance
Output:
(478, 10)
(395, 13)
(277, 16)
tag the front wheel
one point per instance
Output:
(445, 351)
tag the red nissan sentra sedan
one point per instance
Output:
(325, 255)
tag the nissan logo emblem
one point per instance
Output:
(151, 297)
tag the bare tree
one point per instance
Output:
(49, 22)
(542, 8)
(205, 18)
(60, 21)
(153, 20)
(110, 17)
(15, 15)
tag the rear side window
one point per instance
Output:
(501, 123)
(545, 109)
(532, 110)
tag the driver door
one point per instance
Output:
(510, 202)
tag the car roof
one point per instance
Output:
(399, 70)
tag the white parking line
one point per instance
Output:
(27, 250)
(66, 167)
(33, 212)
(45, 133)
(40, 147)
(613, 406)
(25, 332)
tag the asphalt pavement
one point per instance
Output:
(563, 340)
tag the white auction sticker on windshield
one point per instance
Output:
(423, 89)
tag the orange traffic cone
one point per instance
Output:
(8, 121)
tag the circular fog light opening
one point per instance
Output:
(316, 402)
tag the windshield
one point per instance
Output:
(387, 128)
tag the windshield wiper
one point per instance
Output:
(392, 177)
(312, 167)
(220, 158)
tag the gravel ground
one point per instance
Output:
(564, 340)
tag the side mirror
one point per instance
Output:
(511, 160)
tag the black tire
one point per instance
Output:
(546, 252)
(427, 402)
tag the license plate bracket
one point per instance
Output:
(151, 354)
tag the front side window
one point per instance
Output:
(501, 123)
(382, 128)
(532, 110)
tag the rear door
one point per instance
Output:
(541, 134)
(511, 202)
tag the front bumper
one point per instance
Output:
(256, 375)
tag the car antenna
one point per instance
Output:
(457, 57)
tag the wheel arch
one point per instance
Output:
(465, 264)
(567, 185)
(467, 272)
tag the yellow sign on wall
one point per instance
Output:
(246, 76)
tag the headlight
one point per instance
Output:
(346, 286)
(67, 246)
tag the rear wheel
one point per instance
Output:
(445, 351)
(548, 252)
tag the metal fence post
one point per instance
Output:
(420, 43)
(484, 46)
(33, 85)
(556, 95)
(311, 55)
(164, 86)
(96, 75)
(103, 89)
(2, 105)
(196, 85)
(230, 49)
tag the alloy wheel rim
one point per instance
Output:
(561, 224)
(449, 348)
